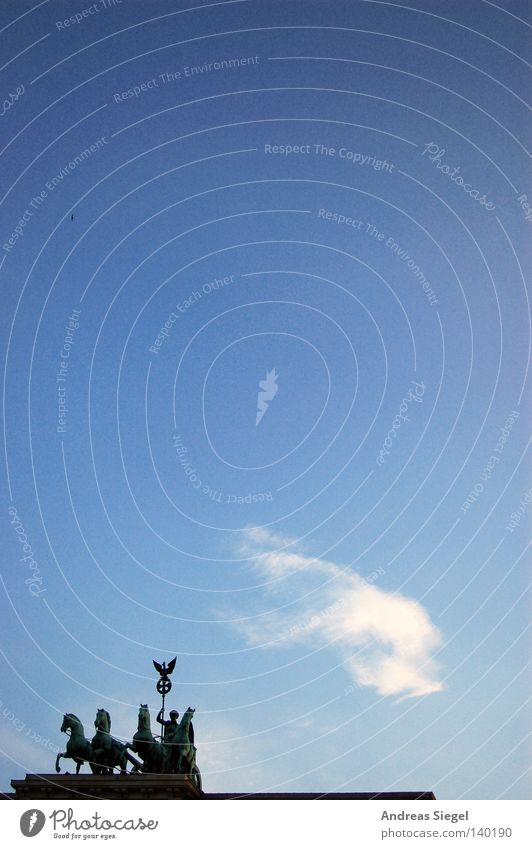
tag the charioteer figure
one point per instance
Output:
(169, 726)
(173, 754)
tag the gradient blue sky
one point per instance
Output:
(344, 618)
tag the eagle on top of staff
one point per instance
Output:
(164, 670)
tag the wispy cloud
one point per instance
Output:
(386, 640)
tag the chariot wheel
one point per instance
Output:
(196, 776)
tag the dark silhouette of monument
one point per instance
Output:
(161, 767)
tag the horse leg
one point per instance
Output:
(59, 756)
(78, 765)
(98, 762)
(183, 766)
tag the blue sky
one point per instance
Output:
(318, 211)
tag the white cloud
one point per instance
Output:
(386, 640)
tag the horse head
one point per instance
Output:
(144, 717)
(185, 726)
(69, 720)
(103, 720)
